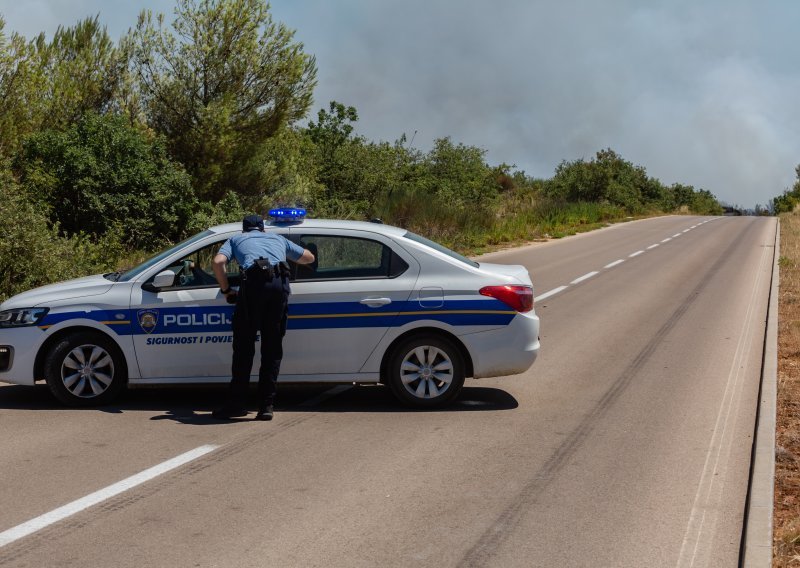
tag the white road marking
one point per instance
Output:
(676, 235)
(709, 491)
(552, 292)
(686, 230)
(668, 239)
(693, 227)
(56, 515)
(584, 277)
(613, 264)
(637, 253)
(652, 246)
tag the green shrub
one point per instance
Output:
(32, 253)
(101, 174)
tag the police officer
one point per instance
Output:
(261, 306)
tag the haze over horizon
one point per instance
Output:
(699, 93)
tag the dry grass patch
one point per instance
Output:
(786, 550)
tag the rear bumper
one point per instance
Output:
(504, 351)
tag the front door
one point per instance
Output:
(184, 330)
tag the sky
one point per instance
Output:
(700, 92)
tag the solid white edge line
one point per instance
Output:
(615, 263)
(56, 515)
(758, 533)
(652, 246)
(637, 253)
(552, 292)
(580, 279)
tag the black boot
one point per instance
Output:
(264, 412)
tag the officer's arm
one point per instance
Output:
(307, 258)
(218, 266)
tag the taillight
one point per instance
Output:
(520, 298)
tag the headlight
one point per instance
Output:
(22, 316)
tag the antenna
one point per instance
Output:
(412, 138)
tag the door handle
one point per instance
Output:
(376, 302)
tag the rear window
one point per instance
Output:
(436, 246)
(339, 257)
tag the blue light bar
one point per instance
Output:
(287, 214)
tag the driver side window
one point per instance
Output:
(194, 269)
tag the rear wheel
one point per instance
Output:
(85, 369)
(426, 371)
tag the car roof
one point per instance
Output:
(321, 224)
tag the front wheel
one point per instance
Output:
(85, 369)
(426, 371)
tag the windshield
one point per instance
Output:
(134, 272)
(440, 248)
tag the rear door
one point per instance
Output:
(343, 304)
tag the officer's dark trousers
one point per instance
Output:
(260, 308)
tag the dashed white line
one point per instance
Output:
(552, 292)
(584, 277)
(42, 521)
(580, 279)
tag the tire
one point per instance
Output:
(85, 369)
(425, 371)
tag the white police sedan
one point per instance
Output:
(379, 304)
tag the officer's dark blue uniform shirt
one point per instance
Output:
(246, 248)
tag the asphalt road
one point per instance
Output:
(626, 444)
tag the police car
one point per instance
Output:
(379, 305)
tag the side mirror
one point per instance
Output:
(164, 279)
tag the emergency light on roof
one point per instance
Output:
(287, 214)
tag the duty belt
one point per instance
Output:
(262, 268)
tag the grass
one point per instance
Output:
(514, 220)
(786, 524)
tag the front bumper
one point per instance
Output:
(23, 344)
(6, 357)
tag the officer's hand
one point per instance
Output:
(231, 296)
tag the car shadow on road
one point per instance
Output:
(193, 405)
(378, 398)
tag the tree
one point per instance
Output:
(459, 173)
(102, 174)
(332, 131)
(19, 111)
(606, 178)
(787, 201)
(33, 253)
(220, 82)
(84, 71)
(51, 85)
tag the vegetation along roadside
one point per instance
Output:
(786, 531)
(112, 150)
